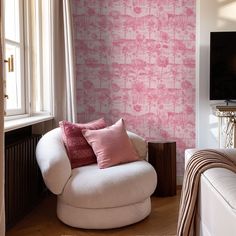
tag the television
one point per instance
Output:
(223, 66)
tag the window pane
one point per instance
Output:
(13, 79)
(12, 30)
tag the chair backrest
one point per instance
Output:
(53, 161)
(140, 144)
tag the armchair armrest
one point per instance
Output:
(53, 161)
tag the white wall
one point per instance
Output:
(212, 15)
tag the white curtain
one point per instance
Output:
(2, 208)
(63, 61)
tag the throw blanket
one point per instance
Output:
(199, 162)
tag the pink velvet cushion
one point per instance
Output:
(78, 150)
(111, 145)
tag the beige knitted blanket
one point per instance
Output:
(199, 162)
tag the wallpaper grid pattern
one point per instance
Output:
(136, 59)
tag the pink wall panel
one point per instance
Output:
(136, 59)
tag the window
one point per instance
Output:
(27, 70)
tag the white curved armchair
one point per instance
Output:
(93, 198)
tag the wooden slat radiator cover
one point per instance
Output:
(23, 181)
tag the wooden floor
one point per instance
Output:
(42, 221)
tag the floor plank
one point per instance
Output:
(42, 221)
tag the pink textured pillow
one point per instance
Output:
(111, 145)
(78, 150)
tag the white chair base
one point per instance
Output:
(106, 218)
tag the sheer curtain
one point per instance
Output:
(62, 58)
(52, 56)
(2, 208)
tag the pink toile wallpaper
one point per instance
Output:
(136, 59)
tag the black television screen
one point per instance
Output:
(223, 66)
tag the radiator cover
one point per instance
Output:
(23, 182)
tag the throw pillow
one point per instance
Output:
(111, 145)
(78, 150)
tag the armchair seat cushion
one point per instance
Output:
(91, 187)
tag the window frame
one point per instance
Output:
(29, 39)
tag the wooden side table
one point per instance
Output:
(162, 156)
